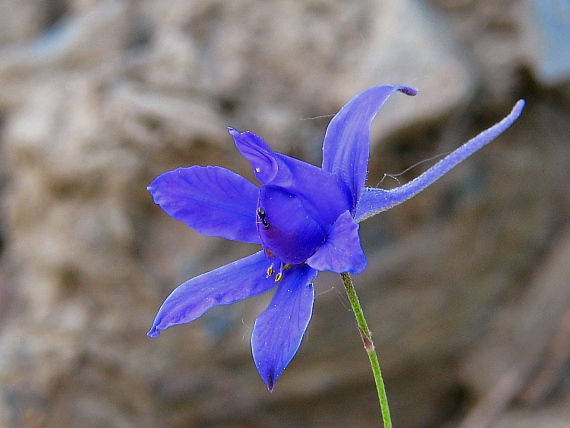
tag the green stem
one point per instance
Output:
(369, 347)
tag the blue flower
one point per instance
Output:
(304, 217)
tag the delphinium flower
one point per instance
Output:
(304, 217)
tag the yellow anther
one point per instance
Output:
(278, 277)
(286, 266)
(270, 271)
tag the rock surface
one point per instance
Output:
(99, 97)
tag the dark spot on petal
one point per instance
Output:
(262, 216)
(270, 380)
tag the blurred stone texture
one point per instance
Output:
(98, 97)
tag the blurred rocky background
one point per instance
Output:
(468, 284)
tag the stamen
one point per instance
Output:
(270, 271)
(268, 252)
(282, 267)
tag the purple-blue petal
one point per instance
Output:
(257, 152)
(341, 252)
(374, 201)
(324, 195)
(346, 145)
(212, 200)
(228, 284)
(278, 331)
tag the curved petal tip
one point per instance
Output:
(518, 108)
(154, 332)
(407, 90)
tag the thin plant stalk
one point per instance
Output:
(369, 347)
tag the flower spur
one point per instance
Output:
(304, 217)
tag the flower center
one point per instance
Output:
(285, 227)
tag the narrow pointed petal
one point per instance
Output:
(212, 200)
(346, 145)
(257, 152)
(341, 251)
(228, 284)
(278, 331)
(374, 201)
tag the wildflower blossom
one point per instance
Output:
(304, 217)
